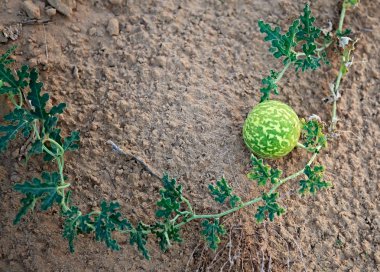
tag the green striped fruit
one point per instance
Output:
(272, 129)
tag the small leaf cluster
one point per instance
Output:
(221, 191)
(102, 223)
(31, 119)
(46, 191)
(315, 180)
(263, 172)
(297, 46)
(34, 120)
(171, 197)
(212, 230)
(313, 137)
(270, 208)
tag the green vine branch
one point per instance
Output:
(302, 46)
(348, 45)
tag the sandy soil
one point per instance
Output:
(174, 88)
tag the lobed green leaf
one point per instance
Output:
(46, 190)
(165, 233)
(18, 121)
(108, 221)
(139, 237)
(71, 226)
(315, 180)
(307, 32)
(270, 85)
(211, 231)
(263, 172)
(270, 209)
(312, 135)
(27, 203)
(71, 142)
(222, 191)
(171, 197)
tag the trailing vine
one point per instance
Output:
(303, 47)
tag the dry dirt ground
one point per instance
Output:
(174, 88)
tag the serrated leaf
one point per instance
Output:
(263, 172)
(171, 197)
(107, 221)
(50, 124)
(11, 84)
(165, 233)
(46, 191)
(282, 45)
(302, 34)
(171, 189)
(28, 203)
(8, 53)
(269, 86)
(139, 237)
(36, 148)
(19, 120)
(74, 224)
(311, 60)
(167, 207)
(222, 191)
(211, 231)
(57, 109)
(306, 31)
(70, 226)
(71, 142)
(315, 180)
(313, 136)
(37, 100)
(270, 208)
(234, 201)
(289, 41)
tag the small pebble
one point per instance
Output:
(15, 178)
(75, 28)
(31, 10)
(113, 27)
(159, 61)
(33, 62)
(3, 39)
(131, 59)
(51, 12)
(92, 31)
(75, 72)
(61, 7)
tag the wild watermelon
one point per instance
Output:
(272, 129)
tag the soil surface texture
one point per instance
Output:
(171, 81)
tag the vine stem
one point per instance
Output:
(341, 19)
(299, 54)
(335, 89)
(60, 163)
(253, 201)
(302, 146)
(187, 203)
(282, 72)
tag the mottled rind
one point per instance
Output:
(272, 129)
